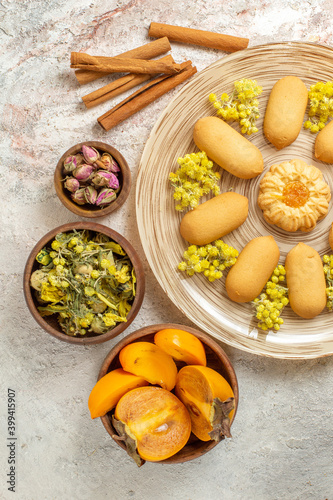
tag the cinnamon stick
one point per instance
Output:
(120, 64)
(148, 51)
(117, 87)
(144, 96)
(227, 43)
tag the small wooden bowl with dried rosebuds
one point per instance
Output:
(92, 179)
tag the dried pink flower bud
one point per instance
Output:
(114, 182)
(90, 154)
(105, 197)
(110, 163)
(79, 197)
(83, 172)
(101, 178)
(70, 164)
(72, 184)
(79, 159)
(90, 194)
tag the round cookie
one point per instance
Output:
(294, 196)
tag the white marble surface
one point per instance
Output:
(282, 443)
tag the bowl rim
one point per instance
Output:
(206, 339)
(130, 251)
(79, 209)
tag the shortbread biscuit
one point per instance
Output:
(252, 270)
(228, 148)
(294, 196)
(214, 218)
(305, 281)
(285, 111)
(324, 144)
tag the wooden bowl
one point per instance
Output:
(216, 359)
(50, 323)
(93, 211)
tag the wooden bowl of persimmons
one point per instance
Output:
(166, 393)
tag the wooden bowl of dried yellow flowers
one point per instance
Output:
(92, 179)
(84, 283)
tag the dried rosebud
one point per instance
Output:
(101, 178)
(90, 154)
(110, 163)
(72, 184)
(70, 164)
(105, 197)
(90, 194)
(83, 172)
(114, 182)
(79, 197)
(79, 159)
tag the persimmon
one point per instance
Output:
(149, 361)
(181, 345)
(209, 400)
(153, 422)
(110, 388)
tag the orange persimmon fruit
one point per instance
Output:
(110, 388)
(209, 400)
(181, 345)
(153, 422)
(149, 361)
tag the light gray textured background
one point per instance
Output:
(282, 443)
